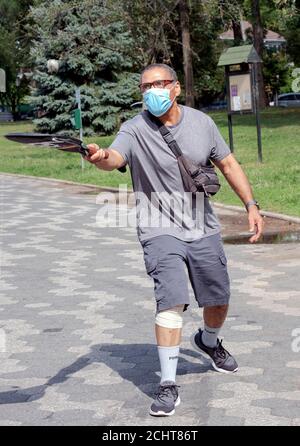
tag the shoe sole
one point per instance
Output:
(196, 347)
(161, 413)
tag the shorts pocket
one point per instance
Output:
(223, 259)
(150, 263)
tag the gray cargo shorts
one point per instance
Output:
(170, 262)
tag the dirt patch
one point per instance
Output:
(237, 223)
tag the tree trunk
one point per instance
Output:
(187, 53)
(13, 106)
(258, 41)
(237, 32)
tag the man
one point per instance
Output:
(192, 244)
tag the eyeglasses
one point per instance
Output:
(156, 84)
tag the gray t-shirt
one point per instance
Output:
(156, 176)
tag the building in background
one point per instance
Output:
(273, 41)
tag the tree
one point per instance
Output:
(187, 53)
(276, 72)
(206, 23)
(237, 32)
(280, 16)
(231, 13)
(94, 50)
(151, 24)
(292, 33)
(14, 51)
(258, 42)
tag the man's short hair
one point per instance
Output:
(163, 66)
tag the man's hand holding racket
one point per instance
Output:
(96, 154)
(90, 152)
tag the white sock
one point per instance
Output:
(210, 336)
(168, 358)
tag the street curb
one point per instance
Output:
(275, 215)
(285, 217)
(57, 180)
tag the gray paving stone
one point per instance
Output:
(77, 310)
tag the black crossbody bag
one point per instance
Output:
(196, 178)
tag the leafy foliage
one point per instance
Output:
(14, 51)
(102, 45)
(93, 47)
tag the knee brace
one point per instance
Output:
(171, 318)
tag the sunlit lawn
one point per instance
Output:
(276, 181)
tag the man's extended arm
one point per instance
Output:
(237, 179)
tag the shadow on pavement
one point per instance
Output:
(143, 361)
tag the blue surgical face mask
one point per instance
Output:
(157, 101)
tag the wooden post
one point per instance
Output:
(229, 115)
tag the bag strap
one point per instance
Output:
(166, 134)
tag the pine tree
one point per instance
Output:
(93, 47)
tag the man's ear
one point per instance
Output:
(177, 89)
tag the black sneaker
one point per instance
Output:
(222, 360)
(166, 400)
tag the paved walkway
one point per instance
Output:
(76, 321)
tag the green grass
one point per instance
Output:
(275, 182)
(28, 160)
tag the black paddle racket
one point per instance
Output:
(61, 142)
